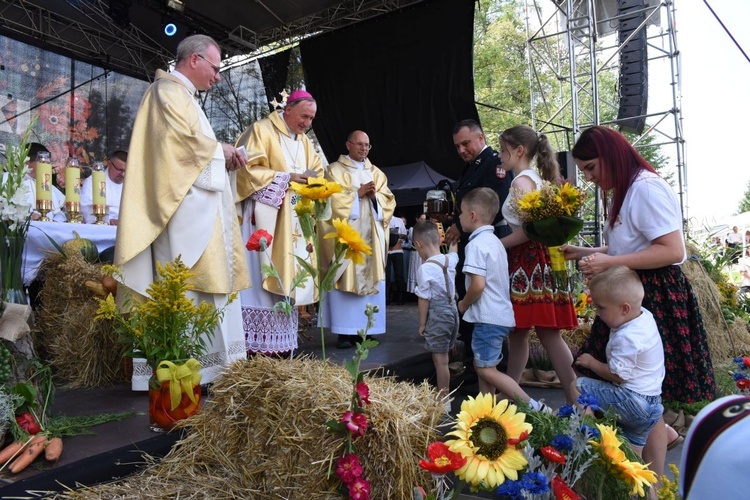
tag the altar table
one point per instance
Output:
(38, 247)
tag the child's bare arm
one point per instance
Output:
(602, 369)
(422, 306)
(476, 287)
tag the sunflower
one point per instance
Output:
(317, 188)
(637, 476)
(530, 201)
(482, 432)
(570, 198)
(356, 247)
(304, 206)
(609, 444)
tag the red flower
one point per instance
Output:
(743, 384)
(562, 491)
(356, 423)
(363, 392)
(551, 453)
(310, 248)
(359, 489)
(259, 240)
(442, 460)
(746, 360)
(520, 439)
(348, 468)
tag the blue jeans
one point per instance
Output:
(636, 414)
(487, 344)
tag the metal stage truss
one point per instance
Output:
(575, 47)
(124, 35)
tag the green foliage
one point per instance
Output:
(744, 205)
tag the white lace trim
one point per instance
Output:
(267, 331)
(273, 194)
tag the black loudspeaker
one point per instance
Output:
(633, 88)
(119, 11)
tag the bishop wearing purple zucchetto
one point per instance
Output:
(278, 153)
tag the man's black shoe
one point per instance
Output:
(344, 342)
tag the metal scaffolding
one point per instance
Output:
(573, 51)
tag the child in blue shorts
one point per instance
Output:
(634, 370)
(487, 300)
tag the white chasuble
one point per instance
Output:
(208, 204)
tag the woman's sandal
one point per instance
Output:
(675, 442)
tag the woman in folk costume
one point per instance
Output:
(278, 153)
(366, 203)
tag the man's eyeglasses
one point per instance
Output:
(361, 144)
(119, 170)
(215, 67)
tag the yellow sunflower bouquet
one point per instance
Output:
(549, 216)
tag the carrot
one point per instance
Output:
(54, 449)
(11, 451)
(29, 454)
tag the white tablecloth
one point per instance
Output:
(38, 247)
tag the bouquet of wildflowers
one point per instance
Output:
(536, 455)
(742, 375)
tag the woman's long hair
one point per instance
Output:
(536, 145)
(619, 162)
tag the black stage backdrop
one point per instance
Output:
(274, 69)
(404, 78)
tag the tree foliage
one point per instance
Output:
(744, 205)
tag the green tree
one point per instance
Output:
(744, 205)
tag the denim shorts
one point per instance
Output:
(637, 414)
(487, 344)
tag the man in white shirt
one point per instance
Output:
(113, 188)
(58, 198)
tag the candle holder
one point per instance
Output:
(44, 207)
(99, 212)
(73, 210)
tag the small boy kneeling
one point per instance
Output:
(634, 370)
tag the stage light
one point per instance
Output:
(178, 5)
(170, 29)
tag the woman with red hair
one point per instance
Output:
(644, 232)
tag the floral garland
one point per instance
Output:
(353, 424)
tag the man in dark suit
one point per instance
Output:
(482, 169)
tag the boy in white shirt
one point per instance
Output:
(487, 300)
(438, 316)
(634, 370)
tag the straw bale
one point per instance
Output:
(723, 339)
(262, 434)
(82, 352)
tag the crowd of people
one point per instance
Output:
(185, 193)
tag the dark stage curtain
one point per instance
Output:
(405, 79)
(274, 69)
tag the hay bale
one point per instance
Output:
(82, 352)
(722, 342)
(263, 435)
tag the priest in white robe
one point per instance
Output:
(178, 202)
(367, 204)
